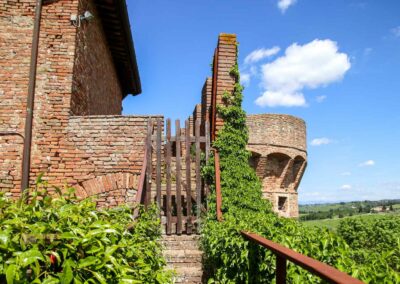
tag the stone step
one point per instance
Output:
(183, 255)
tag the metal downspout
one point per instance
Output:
(26, 158)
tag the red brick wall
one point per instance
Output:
(226, 54)
(95, 146)
(54, 79)
(96, 88)
(206, 94)
(279, 146)
(67, 149)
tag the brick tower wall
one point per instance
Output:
(278, 145)
(75, 75)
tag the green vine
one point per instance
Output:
(229, 258)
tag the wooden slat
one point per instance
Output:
(178, 178)
(141, 185)
(280, 270)
(198, 178)
(149, 162)
(207, 136)
(158, 168)
(168, 176)
(188, 179)
(316, 267)
(218, 186)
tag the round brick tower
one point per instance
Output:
(279, 156)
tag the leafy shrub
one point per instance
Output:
(380, 235)
(232, 259)
(59, 239)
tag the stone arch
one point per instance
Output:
(276, 165)
(299, 167)
(256, 161)
(110, 190)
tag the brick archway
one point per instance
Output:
(110, 190)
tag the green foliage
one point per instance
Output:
(378, 235)
(229, 257)
(332, 210)
(58, 239)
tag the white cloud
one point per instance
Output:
(368, 163)
(346, 187)
(260, 54)
(346, 174)
(245, 79)
(321, 141)
(274, 99)
(320, 99)
(315, 64)
(396, 31)
(283, 5)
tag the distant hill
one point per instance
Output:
(342, 209)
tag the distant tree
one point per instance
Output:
(341, 215)
(391, 208)
(360, 209)
(384, 208)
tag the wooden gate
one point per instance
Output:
(173, 173)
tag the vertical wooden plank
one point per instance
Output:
(168, 176)
(207, 136)
(198, 177)
(178, 177)
(158, 169)
(188, 178)
(149, 162)
(280, 270)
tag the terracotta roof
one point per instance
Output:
(115, 20)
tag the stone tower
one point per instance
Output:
(279, 157)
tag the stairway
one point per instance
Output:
(184, 256)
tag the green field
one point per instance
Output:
(332, 224)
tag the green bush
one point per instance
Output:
(229, 258)
(380, 235)
(59, 239)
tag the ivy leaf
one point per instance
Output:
(67, 275)
(99, 277)
(30, 256)
(90, 260)
(10, 273)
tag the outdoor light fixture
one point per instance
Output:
(76, 20)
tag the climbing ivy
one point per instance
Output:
(229, 258)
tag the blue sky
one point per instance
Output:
(334, 63)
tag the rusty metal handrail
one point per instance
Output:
(316, 267)
(218, 186)
(283, 254)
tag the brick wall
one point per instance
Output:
(96, 88)
(278, 144)
(53, 85)
(75, 75)
(206, 94)
(226, 53)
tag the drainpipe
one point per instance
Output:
(26, 158)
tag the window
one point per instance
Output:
(282, 203)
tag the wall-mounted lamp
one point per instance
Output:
(76, 20)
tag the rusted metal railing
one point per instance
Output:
(284, 254)
(218, 186)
